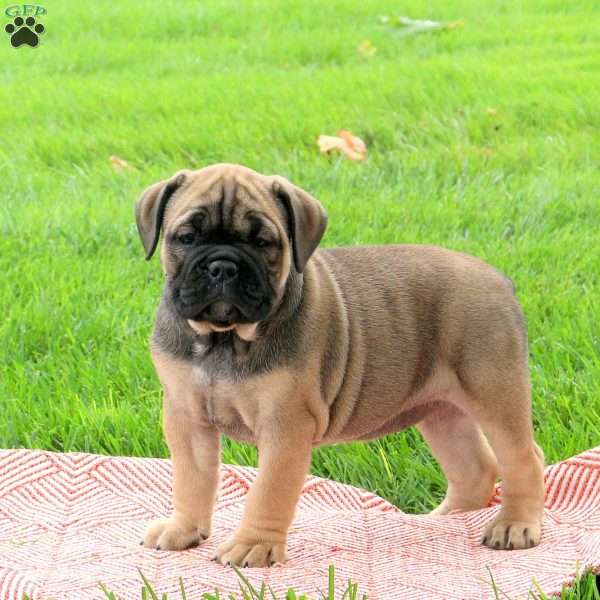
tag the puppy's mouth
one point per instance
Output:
(220, 315)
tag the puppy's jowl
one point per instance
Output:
(263, 337)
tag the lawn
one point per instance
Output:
(483, 137)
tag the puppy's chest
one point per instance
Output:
(232, 407)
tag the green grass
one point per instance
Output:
(184, 84)
(583, 588)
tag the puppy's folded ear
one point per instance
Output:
(307, 219)
(150, 210)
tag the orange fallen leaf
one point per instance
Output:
(366, 49)
(118, 163)
(349, 145)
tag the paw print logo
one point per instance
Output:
(24, 32)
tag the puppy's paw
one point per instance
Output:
(169, 534)
(506, 534)
(244, 553)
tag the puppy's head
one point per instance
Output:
(231, 237)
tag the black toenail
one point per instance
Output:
(484, 540)
(158, 548)
(506, 536)
(245, 565)
(510, 546)
(497, 545)
(142, 543)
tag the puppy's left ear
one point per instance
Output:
(307, 219)
(150, 210)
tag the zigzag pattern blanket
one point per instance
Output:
(71, 521)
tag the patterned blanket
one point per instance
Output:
(69, 522)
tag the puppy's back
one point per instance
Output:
(414, 310)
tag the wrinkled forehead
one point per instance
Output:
(225, 198)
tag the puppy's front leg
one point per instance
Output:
(284, 459)
(195, 454)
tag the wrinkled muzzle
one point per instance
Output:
(222, 285)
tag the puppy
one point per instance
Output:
(263, 337)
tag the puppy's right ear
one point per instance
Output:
(150, 210)
(307, 219)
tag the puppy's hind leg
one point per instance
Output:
(501, 405)
(464, 455)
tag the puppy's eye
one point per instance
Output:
(262, 243)
(186, 238)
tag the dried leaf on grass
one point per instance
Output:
(349, 145)
(366, 49)
(118, 163)
(410, 26)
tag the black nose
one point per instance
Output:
(222, 270)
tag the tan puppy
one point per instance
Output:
(263, 337)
